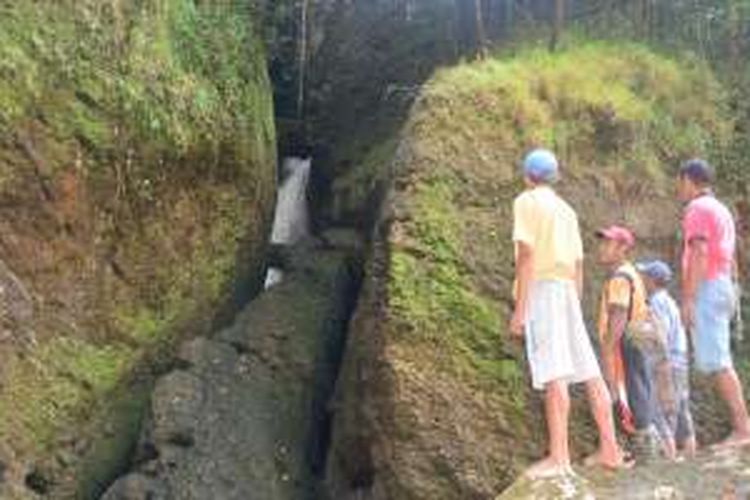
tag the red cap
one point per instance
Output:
(617, 233)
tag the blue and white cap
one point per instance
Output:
(541, 165)
(656, 270)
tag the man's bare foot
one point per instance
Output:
(617, 462)
(548, 468)
(690, 448)
(734, 440)
(669, 449)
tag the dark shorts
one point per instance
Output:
(639, 381)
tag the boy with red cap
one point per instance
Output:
(549, 277)
(627, 368)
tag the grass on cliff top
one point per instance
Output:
(599, 104)
(172, 74)
(608, 110)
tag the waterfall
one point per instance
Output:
(291, 221)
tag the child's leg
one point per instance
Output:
(665, 425)
(669, 448)
(690, 447)
(684, 430)
(642, 400)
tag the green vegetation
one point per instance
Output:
(436, 297)
(615, 105)
(149, 127)
(170, 73)
(50, 385)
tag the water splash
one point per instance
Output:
(292, 221)
(274, 276)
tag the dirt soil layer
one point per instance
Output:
(246, 416)
(434, 399)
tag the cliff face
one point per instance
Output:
(137, 180)
(434, 400)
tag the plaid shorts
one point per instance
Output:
(683, 423)
(677, 423)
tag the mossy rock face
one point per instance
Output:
(435, 401)
(137, 179)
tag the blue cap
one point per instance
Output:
(697, 170)
(656, 270)
(541, 166)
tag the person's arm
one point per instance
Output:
(578, 261)
(695, 274)
(524, 226)
(618, 321)
(618, 295)
(697, 229)
(524, 269)
(579, 279)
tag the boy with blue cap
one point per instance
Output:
(549, 282)
(675, 424)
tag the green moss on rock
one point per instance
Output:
(137, 160)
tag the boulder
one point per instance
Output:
(434, 399)
(245, 416)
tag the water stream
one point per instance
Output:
(291, 222)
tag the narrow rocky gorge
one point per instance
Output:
(245, 414)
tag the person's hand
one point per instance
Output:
(517, 325)
(625, 417)
(688, 314)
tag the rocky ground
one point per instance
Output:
(245, 416)
(720, 475)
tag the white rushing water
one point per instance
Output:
(291, 222)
